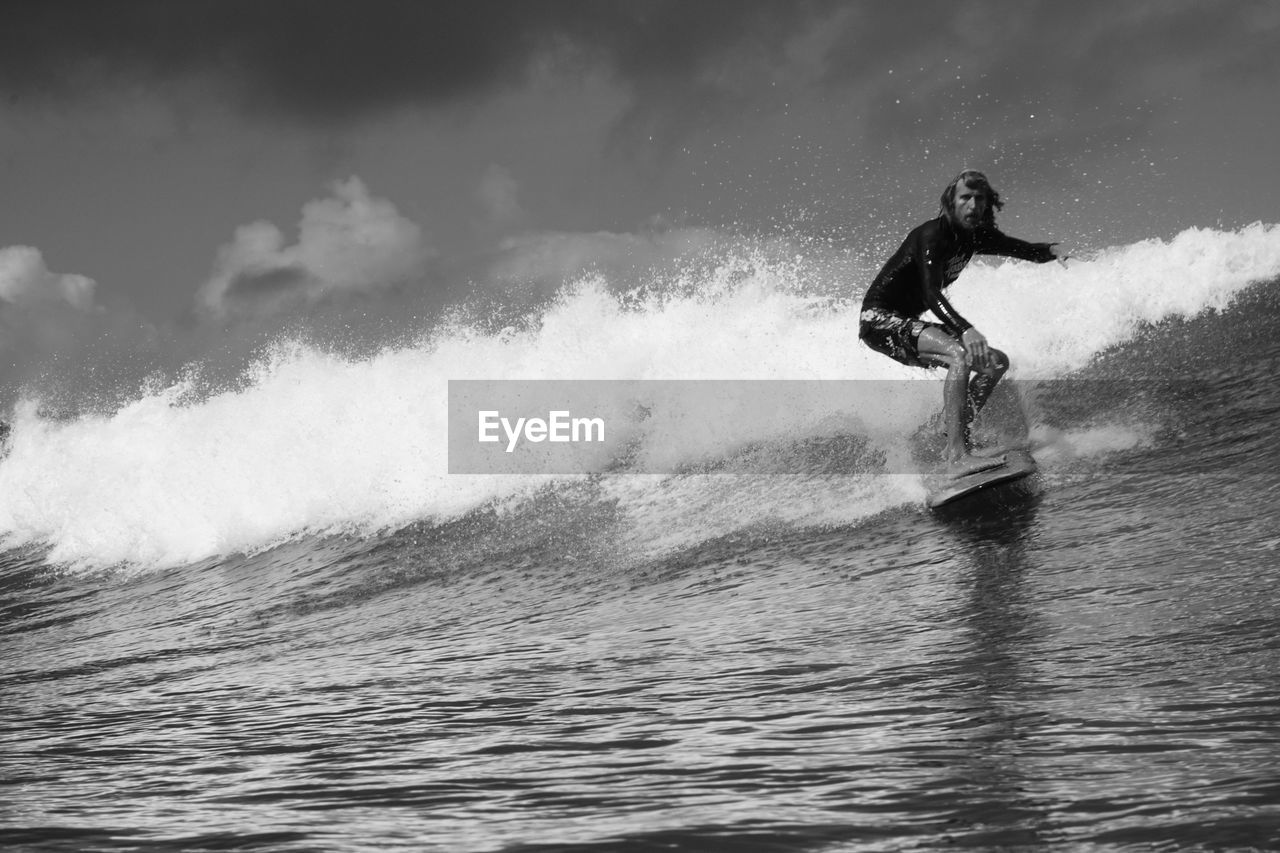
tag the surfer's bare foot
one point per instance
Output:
(966, 465)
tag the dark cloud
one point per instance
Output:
(255, 285)
(686, 63)
(317, 60)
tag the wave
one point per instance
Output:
(314, 443)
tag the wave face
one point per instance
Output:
(310, 443)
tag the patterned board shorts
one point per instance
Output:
(894, 335)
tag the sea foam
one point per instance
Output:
(312, 443)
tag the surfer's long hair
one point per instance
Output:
(976, 179)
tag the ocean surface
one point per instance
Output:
(266, 617)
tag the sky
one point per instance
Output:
(179, 176)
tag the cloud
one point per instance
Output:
(543, 263)
(322, 61)
(675, 68)
(51, 322)
(25, 280)
(350, 243)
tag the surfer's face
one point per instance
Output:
(969, 207)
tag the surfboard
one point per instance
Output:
(942, 490)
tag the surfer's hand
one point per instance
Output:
(1060, 254)
(975, 346)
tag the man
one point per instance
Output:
(930, 259)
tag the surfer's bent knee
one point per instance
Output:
(941, 344)
(997, 364)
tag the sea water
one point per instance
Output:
(266, 616)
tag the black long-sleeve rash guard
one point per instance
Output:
(933, 255)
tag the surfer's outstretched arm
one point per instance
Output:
(993, 241)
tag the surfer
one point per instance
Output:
(929, 259)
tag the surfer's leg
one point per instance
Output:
(984, 382)
(938, 347)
